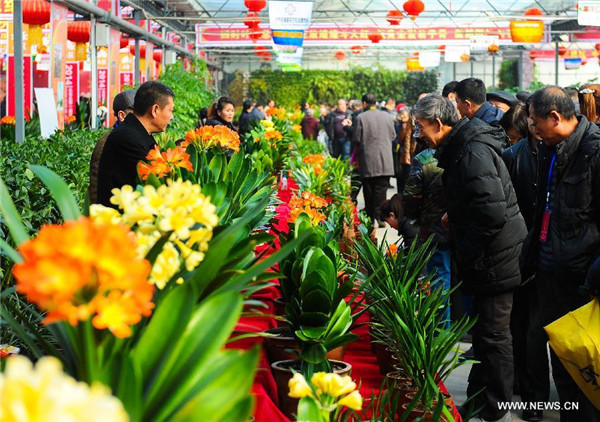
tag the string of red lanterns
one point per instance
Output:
(340, 55)
(394, 17)
(255, 5)
(252, 20)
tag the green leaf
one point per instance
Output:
(129, 388)
(309, 411)
(60, 192)
(163, 331)
(157, 248)
(8, 251)
(11, 216)
(314, 353)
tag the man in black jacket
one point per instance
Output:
(532, 375)
(486, 231)
(565, 238)
(132, 140)
(246, 118)
(471, 102)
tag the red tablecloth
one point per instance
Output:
(365, 370)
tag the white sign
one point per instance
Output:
(588, 13)
(295, 57)
(198, 34)
(290, 14)
(455, 53)
(481, 43)
(49, 118)
(429, 58)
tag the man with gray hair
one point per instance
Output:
(486, 233)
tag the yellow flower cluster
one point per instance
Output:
(297, 128)
(45, 393)
(330, 385)
(177, 207)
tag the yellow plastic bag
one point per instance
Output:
(575, 338)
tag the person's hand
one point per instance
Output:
(445, 223)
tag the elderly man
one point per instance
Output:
(564, 240)
(339, 130)
(374, 133)
(132, 140)
(486, 231)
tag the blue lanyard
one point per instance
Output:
(549, 185)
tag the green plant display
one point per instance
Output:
(508, 75)
(315, 86)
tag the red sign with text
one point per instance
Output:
(10, 85)
(102, 86)
(71, 88)
(126, 78)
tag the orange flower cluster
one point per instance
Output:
(164, 163)
(309, 204)
(273, 135)
(280, 113)
(8, 120)
(392, 250)
(83, 269)
(211, 136)
(71, 119)
(316, 161)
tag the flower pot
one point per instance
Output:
(420, 414)
(403, 386)
(282, 372)
(448, 401)
(337, 353)
(280, 348)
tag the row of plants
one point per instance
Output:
(315, 86)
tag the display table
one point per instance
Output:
(365, 370)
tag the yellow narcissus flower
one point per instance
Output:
(45, 393)
(299, 388)
(352, 401)
(332, 384)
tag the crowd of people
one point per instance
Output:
(508, 186)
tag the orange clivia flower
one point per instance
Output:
(163, 163)
(314, 160)
(309, 204)
(297, 128)
(280, 113)
(273, 134)
(214, 136)
(84, 269)
(392, 250)
(8, 120)
(71, 119)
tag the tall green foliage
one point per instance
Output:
(191, 94)
(313, 86)
(508, 74)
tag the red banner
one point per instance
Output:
(322, 35)
(71, 88)
(11, 82)
(126, 78)
(102, 86)
(569, 54)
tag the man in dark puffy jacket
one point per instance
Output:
(486, 231)
(339, 130)
(471, 101)
(565, 238)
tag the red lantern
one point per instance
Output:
(414, 8)
(260, 50)
(340, 55)
(562, 51)
(35, 14)
(105, 5)
(597, 47)
(534, 11)
(442, 47)
(493, 48)
(356, 49)
(375, 37)
(255, 34)
(394, 17)
(252, 20)
(124, 42)
(464, 57)
(267, 57)
(531, 31)
(157, 56)
(79, 33)
(142, 50)
(255, 5)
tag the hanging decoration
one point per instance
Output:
(597, 47)
(255, 5)
(267, 56)
(375, 37)
(255, 34)
(465, 57)
(533, 11)
(530, 31)
(394, 17)
(35, 14)
(442, 48)
(157, 56)
(413, 8)
(260, 50)
(124, 42)
(356, 49)
(493, 48)
(340, 55)
(252, 20)
(413, 65)
(105, 5)
(79, 33)
(562, 50)
(142, 54)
